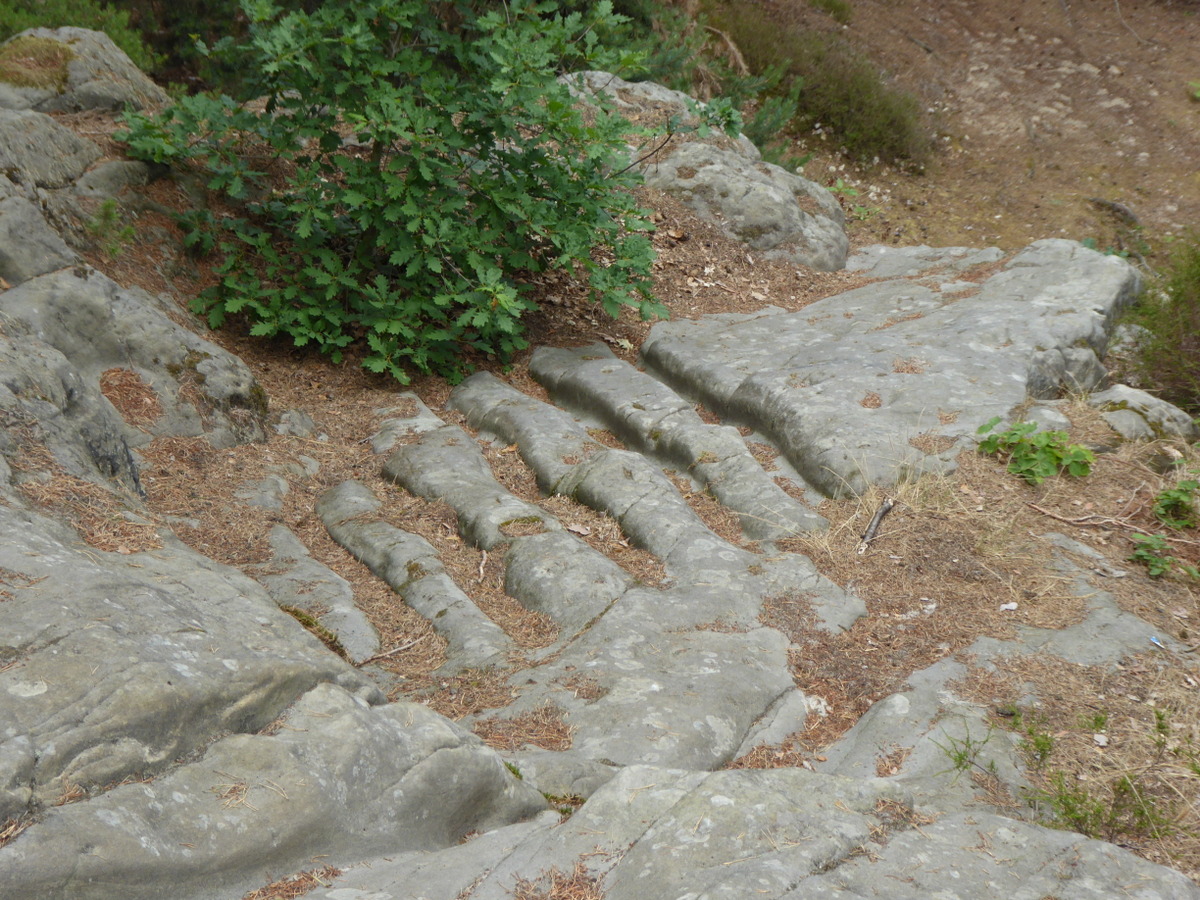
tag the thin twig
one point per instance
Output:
(869, 535)
(1094, 521)
(392, 652)
(1121, 16)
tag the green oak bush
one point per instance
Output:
(414, 165)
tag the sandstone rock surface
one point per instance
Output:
(165, 730)
(783, 215)
(98, 75)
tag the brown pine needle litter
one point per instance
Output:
(295, 885)
(558, 885)
(542, 727)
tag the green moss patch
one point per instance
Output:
(35, 62)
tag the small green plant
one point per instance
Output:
(1038, 744)
(963, 752)
(1176, 507)
(841, 189)
(1153, 551)
(1194, 89)
(1128, 809)
(515, 771)
(1035, 455)
(319, 631)
(1093, 244)
(109, 228)
(1097, 722)
(769, 124)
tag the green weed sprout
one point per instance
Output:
(1035, 455)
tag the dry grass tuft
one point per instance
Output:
(720, 520)
(99, 515)
(543, 727)
(558, 885)
(931, 443)
(1114, 752)
(133, 398)
(10, 828)
(909, 365)
(295, 885)
(896, 814)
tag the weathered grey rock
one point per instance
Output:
(28, 246)
(652, 832)
(35, 151)
(883, 261)
(296, 579)
(110, 179)
(891, 380)
(99, 325)
(636, 493)
(551, 441)
(785, 717)
(397, 426)
(45, 399)
(341, 781)
(97, 75)
(773, 211)
(562, 774)
(539, 568)
(981, 856)
(1135, 414)
(639, 98)
(649, 416)
(411, 566)
(718, 577)
(446, 464)
(121, 664)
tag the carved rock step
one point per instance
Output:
(891, 380)
(446, 464)
(550, 440)
(651, 418)
(676, 676)
(294, 578)
(621, 483)
(411, 567)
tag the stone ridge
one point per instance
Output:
(891, 380)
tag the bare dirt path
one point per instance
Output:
(1040, 106)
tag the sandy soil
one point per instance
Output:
(1040, 107)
